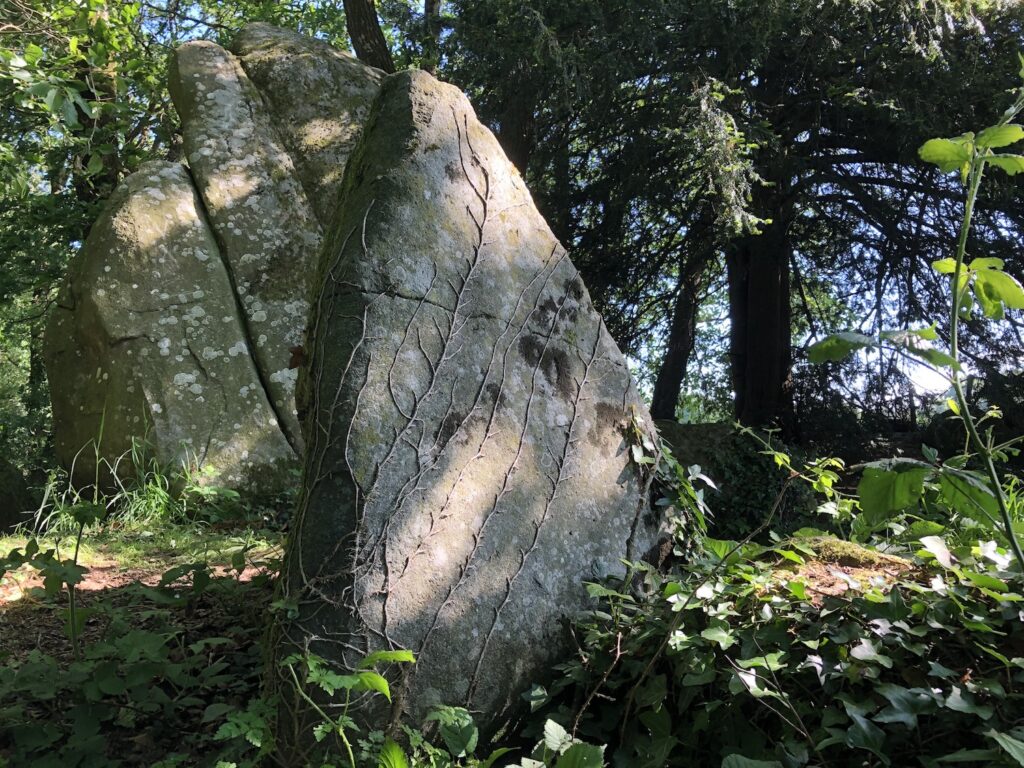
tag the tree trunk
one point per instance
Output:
(759, 313)
(682, 335)
(432, 36)
(367, 38)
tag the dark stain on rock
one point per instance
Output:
(548, 308)
(495, 394)
(574, 288)
(556, 365)
(531, 348)
(609, 419)
(453, 172)
(449, 426)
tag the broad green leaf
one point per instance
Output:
(883, 491)
(738, 761)
(372, 681)
(392, 756)
(986, 581)
(906, 335)
(770, 661)
(1013, 747)
(798, 589)
(95, 164)
(944, 266)
(986, 262)
(968, 494)
(495, 756)
(457, 728)
(1012, 164)
(936, 357)
(1002, 286)
(1000, 136)
(987, 756)
(838, 346)
(581, 756)
(949, 154)
(33, 53)
(387, 657)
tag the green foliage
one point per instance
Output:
(739, 478)
(137, 689)
(740, 659)
(888, 487)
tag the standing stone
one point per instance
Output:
(259, 211)
(319, 98)
(468, 441)
(147, 341)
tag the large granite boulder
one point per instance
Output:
(469, 420)
(147, 342)
(183, 316)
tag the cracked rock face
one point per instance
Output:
(468, 460)
(180, 314)
(146, 342)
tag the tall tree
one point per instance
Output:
(804, 114)
(368, 39)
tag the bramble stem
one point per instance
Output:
(977, 171)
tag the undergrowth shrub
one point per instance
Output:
(748, 481)
(747, 656)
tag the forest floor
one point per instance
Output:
(123, 568)
(177, 612)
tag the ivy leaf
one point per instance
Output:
(838, 346)
(864, 734)
(949, 154)
(1012, 164)
(905, 704)
(937, 547)
(986, 581)
(865, 651)
(958, 702)
(1000, 136)
(720, 635)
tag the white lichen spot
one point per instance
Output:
(286, 376)
(156, 408)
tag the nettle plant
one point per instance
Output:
(968, 484)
